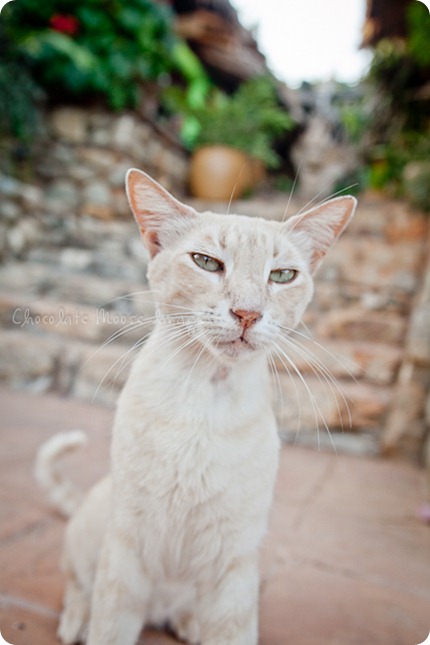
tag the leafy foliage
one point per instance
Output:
(418, 19)
(400, 124)
(19, 94)
(249, 120)
(92, 47)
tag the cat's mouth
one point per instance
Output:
(233, 347)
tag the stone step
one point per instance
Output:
(60, 307)
(310, 405)
(45, 317)
(358, 324)
(345, 358)
(335, 313)
(375, 263)
(95, 371)
(362, 444)
(393, 220)
(341, 294)
(66, 277)
(112, 259)
(111, 249)
(374, 362)
(42, 363)
(26, 229)
(34, 280)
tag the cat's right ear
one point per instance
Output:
(158, 214)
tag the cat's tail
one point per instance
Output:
(61, 492)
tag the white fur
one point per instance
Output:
(172, 533)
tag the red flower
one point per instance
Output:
(65, 24)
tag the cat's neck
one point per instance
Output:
(180, 357)
(185, 384)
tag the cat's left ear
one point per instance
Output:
(158, 214)
(315, 231)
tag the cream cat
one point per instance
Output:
(172, 534)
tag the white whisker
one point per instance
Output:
(235, 186)
(323, 374)
(315, 406)
(296, 391)
(123, 356)
(284, 217)
(342, 361)
(275, 376)
(191, 341)
(116, 335)
(202, 349)
(338, 192)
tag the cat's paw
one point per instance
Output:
(68, 635)
(73, 626)
(186, 628)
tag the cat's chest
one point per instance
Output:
(193, 435)
(198, 445)
(216, 400)
(174, 471)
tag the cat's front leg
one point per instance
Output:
(230, 610)
(74, 617)
(120, 594)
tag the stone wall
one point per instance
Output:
(71, 252)
(407, 431)
(80, 163)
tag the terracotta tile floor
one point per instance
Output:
(346, 562)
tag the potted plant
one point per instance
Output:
(232, 138)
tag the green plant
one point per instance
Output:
(418, 20)
(20, 96)
(406, 166)
(284, 183)
(355, 120)
(249, 120)
(400, 124)
(84, 48)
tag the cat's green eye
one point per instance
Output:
(283, 276)
(207, 263)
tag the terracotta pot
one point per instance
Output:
(258, 171)
(218, 172)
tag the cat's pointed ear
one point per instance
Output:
(158, 214)
(316, 230)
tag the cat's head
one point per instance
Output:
(235, 283)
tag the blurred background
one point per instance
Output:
(261, 107)
(268, 106)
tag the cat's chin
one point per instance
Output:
(235, 348)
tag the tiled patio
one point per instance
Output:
(346, 561)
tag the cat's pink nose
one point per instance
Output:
(245, 317)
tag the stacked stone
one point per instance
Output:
(74, 310)
(407, 430)
(361, 320)
(81, 161)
